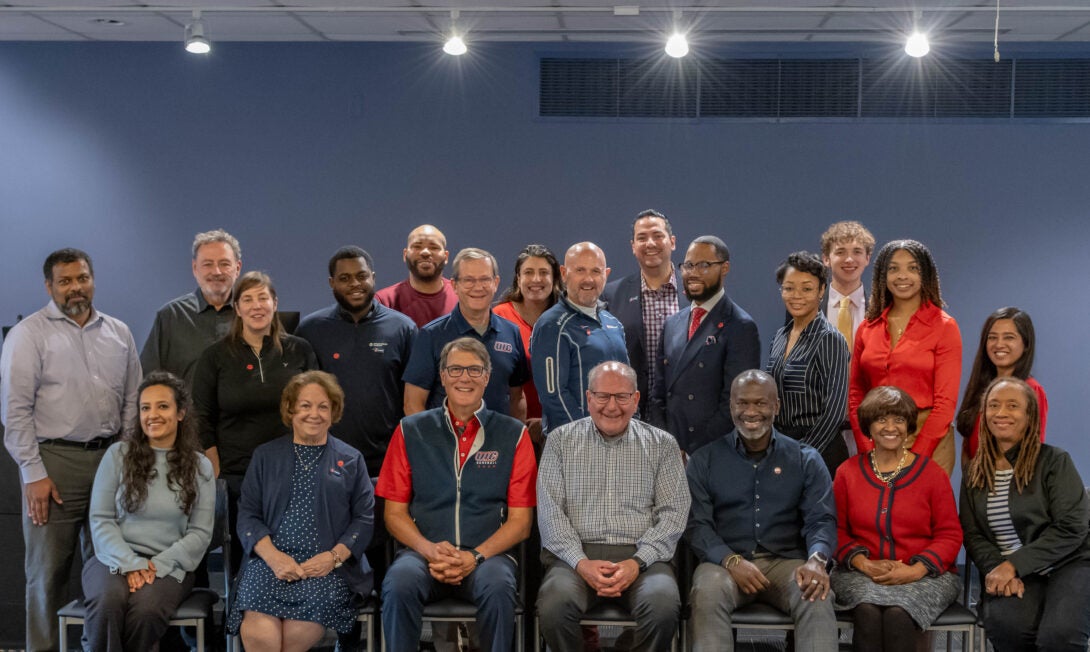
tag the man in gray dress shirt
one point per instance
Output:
(612, 504)
(186, 326)
(68, 381)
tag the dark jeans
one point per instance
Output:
(1053, 614)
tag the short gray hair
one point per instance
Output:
(217, 235)
(615, 367)
(473, 253)
(469, 345)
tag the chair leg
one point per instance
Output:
(63, 633)
(200, 635)
(537, 634)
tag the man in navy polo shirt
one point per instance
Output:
(476, 279)
(366, 346)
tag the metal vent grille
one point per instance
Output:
(931, 88)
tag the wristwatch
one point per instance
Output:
(822, 559)
(337, 563)
(640, 563)
(477, 556)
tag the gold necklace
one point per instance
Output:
(888, 478)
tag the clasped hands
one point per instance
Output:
(138, 578)
(1003, 581)
(448, 564)
(889, 572)
(609, 579)
(288, 570)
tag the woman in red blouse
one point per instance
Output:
(898, 533)
(908, 341)
(534, 289)
(1007, 343)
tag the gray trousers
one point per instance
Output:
(653, 600)
(50, 548)
(714, 597)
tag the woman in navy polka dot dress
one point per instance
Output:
(305, 519)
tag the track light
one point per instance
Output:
(677, 45)
(195, 40)
(454, 46)
(917, 44)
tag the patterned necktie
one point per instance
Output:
(844, 320)
(698, 315)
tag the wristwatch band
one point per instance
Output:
(477, 556)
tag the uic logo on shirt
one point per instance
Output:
(503, 347)
(487, 459)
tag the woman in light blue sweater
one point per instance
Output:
(152, 509)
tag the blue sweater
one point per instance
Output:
(175, 542)
(346, 501)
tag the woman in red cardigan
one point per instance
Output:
(898, 533)
(909, 342)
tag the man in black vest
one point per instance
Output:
(456, 520)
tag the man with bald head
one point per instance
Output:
(762, 524)
(425, 295)
(573, 336)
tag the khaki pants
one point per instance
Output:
(945, 454)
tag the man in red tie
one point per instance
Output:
(704, 346)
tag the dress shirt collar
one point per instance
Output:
(928, 314)
(53, 312)
(740, 446)
(669, 284)
(613, 441)
(449, 415)
(202, 303)
(710, 304)
(464, 327)
(858, 296)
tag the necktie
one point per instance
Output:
(844, 320)
(698, 315)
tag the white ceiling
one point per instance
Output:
(543, 20)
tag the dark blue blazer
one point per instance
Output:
(691, 396)
(622, 299)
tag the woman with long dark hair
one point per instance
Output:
(909, 341)
(534, 289)
(1025, 515)
(1007, 345)
(152, 508)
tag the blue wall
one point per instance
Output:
(127, 150)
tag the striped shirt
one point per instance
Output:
(999, 514)
(625, 490)
(812, 382)
(656, 305)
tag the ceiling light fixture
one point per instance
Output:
(917, 44)
(677, 45)
(454, 46)
(195, 40)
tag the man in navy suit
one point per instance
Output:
(642, 301)
(704, 346)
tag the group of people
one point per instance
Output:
(644, 417)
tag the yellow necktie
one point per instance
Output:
(844, 320)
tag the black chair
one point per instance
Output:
(196, 609)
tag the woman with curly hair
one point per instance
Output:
(908, 341)
(151, 514)
(1007, 344)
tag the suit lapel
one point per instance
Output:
(712, 327)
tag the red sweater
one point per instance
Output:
(926, 363)
(916, 520)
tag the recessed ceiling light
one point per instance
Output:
(112, 22)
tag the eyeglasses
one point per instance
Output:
(622, 398)
(455, 371)
(702, 266)
(469, 281)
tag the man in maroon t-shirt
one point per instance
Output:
(425, 295)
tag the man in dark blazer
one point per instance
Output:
(642, 301)
(704, 346)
